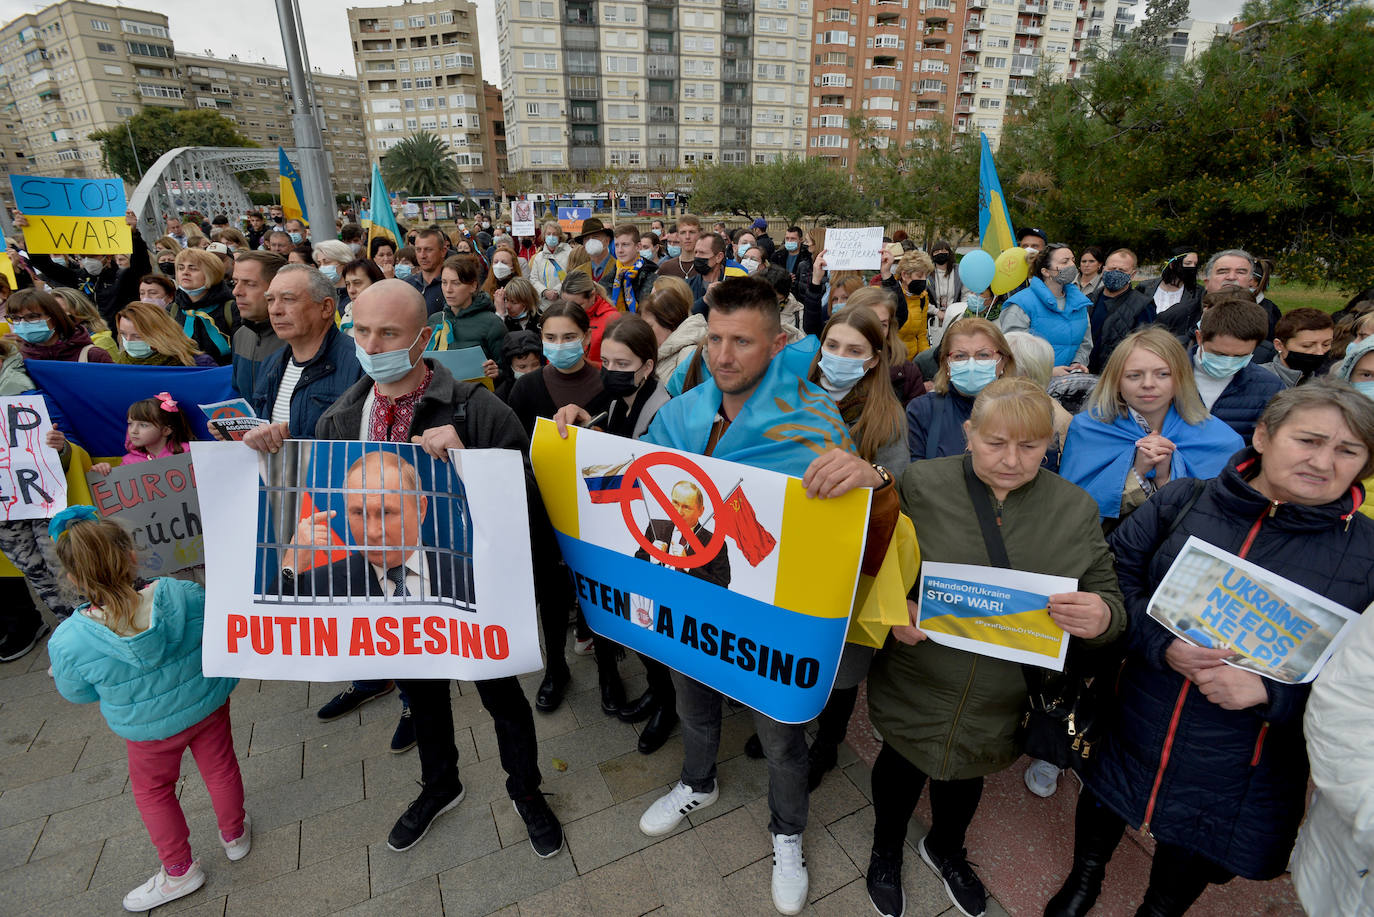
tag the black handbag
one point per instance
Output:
(1064, 715)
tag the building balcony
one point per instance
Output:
(737, 29)
(1029, 30)
(584, 141)
(662, 114)
(961, 128)
(972, 45)
(735, 72)
(964, 108)
(974, 24)
(377, 25)
(584, 117)
(1023, 71)
(1020, 91)
(969, 66)
(594, 93)
(663, 4)
(579, 44)
(662, 71)
(1035, 9)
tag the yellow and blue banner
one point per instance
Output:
(292, 197)
(725, 572)
(6, 263)
(994, 220)
(994, 612)
(72, 215)
(381, 222)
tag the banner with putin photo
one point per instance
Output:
(727, 573)
(365, 560)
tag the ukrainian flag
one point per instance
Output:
(292, 197)
(994, 220)
(381, 221)
(6, 265)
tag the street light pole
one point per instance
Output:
(314, 164)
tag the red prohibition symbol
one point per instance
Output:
(702, 554)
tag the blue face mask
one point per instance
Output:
(741, 249)
(387, 366)
(295, 238)
(403, 271)
(841, 371)
(791, 246)
(563, 356)
(974, 303)
(972, 376)
(139, 350)
(1365, 387)
(1220, 366)
(35, 332)
(674, 250)
(331, 272)
(191, 292)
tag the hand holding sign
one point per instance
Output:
(1083, 614)
(910, 634)
(72, 215)
(1231, 688)
(855, 249)
(1188, 660)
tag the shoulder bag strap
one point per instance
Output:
(987, 520)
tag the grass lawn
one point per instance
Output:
(1296, 295)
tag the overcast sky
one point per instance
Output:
(248, 28)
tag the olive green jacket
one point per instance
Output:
(950, 712)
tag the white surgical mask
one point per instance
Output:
(595, 247)
(501, 269)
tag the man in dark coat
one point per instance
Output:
(670, 538)
(1118, 309)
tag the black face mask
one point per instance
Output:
(167, 267)
(916, 287)
(701, 265)
(941, 258)
(1187, 274)
(619, 383)
(1305, 363)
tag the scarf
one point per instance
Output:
(625, 283)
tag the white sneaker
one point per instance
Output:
(790, 881)
(238, 848)
(663, 816)
(1042, 778)
(162, 888)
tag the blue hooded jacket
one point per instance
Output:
(1064, 330)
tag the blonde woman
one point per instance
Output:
(204, 306)
(149, 337)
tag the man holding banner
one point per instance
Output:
(758, 410)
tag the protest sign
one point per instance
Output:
(727, 573)
(156, 501)
(32, 483)
(72, 214)
(522, 219)
(570, 218)
(854, 249)
(1278, 629)
(232, 418)
(994, 612)
(465, 363)
(366, 560)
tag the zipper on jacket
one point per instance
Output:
(1259, 744)
(958, 712)
(1183, 693)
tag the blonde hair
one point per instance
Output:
(882, 418)
(81, 306)
(915, 261)
(579, 260)
(521, 290)
(1106, 404)
(98, 554)
(967, 327)
(1014, 404)
(229, 236)
(877, 297)
(162, 334)
(492, 285)
(210, 264)
(167, 242)
(580, 283)
(194, 237)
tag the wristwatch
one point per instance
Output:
(884, 474)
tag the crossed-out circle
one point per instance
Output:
(636, 474)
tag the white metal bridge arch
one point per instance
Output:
(199, 178)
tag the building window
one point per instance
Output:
(142, 28)
(105, 47)
(100, 25)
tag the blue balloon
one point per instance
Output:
(976, 270)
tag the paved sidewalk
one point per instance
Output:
(324, 795)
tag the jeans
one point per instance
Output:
(155, 766)
(897, 785)
(26, 543)
(784, 745)
(515, 739)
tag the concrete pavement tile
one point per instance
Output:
(102, 747)
(41, 882)
(846, 901)
(739, 780)
(836, 797)
(589, 745)
(397, 777)
(40, 761)
(417, 898)
(621, 889)
(632, 774)
(736, 839)
(854, 834)
(684, 875)
(322, 889)
(107, 817)
(292, 727)
(58, 794)
(260, 772)
(318, 693)
(504, 877)
(19, 726)
(925, 894)
(353, 744)
(358, 825)
(290, 802)
(30, 684)
(612, 833)
(18, 841)
(861, 775)
(571, 795)
(456, 838)
(64, 721)
(565, 900)
(828, 869)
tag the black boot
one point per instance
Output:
(656, 731)
(1097, 832)
(550, 694)
(612, 694)
(1079, 893)
(641, 708)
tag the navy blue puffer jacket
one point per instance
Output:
(1226, 784)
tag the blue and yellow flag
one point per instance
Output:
(994, 220)
(381, 222)
(292, 197)
(6, 264)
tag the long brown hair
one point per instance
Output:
(882, 419)
(158, 329)
(492, 284)
(98, 554)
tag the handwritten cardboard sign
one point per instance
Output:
(32, 483)
(854, 249)
(157, 502)
(84, 216)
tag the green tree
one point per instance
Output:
(721, 188)
(156, 130)
(793, 188)
(1264, 141)
(1161, 16)
(423, 165)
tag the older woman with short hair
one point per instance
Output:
(949, 716)
(204, 305)
(1208, 758)
(973, 354)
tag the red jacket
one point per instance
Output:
(600, 314)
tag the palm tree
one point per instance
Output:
(422, 165)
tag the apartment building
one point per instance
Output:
(594, 84)
(258, 98)
(495, 134)
(892, 62)
(419, 69)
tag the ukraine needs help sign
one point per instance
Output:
(727, 573)
(85, 216)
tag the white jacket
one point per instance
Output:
(542, 272)
(1336, 845)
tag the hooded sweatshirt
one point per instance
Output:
(149, 685)
(475, 325)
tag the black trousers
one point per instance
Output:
(1178, 876)
(897, 785)
(515, 739)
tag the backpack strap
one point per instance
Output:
(85, 354)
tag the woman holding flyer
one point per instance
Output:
(1207, 757)
(949, 715)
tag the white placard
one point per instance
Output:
(522, 219)
(32, 482)
(854, 249)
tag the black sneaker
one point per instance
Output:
(962, 885)
(403, 739)
(885, 885)
(821, 758)
(411, 827)
(753, 747)
(15, 646)
(546, 834)
(351, 698)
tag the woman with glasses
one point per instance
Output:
(973, 353)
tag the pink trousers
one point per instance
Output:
(154, 768)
